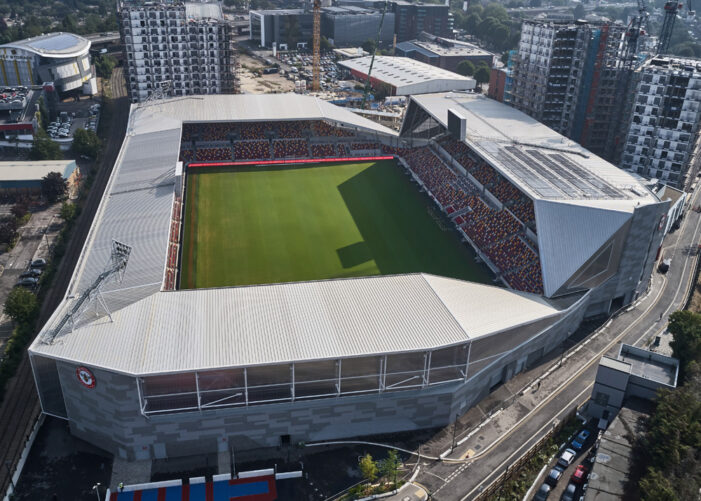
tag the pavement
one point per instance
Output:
(504, 426)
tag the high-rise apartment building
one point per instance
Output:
(184, 48)
(664, 122)
(567, 75)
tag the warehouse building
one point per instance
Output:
(443, 52)
(402, 76)
(25, 177)
(61, 58)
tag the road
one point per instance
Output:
(539, 399)
(20, 408)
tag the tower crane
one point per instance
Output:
(372, 59)
(671, 9)
(317, 46)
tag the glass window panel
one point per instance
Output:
(363, 366)
(394, 381)
(445, 374)
(273, 392)
(170, 383)
(216, 380)
(269, 374)
(360, 384)
(406, 362)
(314, 371)
(476, 367)
(172, 403)
(303, 390)
(454, 355)
(221, 398)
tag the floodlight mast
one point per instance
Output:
(115, 268)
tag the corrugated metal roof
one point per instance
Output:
(246, 107)
(541, 162)
(243, 326)
(407, 75)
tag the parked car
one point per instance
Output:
(542, 493)
(566, 458)
(30, 282)
(553, 476)
(32, 272)
(38, 263)
(569, 493)
(579, 475)
(580, 439)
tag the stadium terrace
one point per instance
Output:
(146, 364)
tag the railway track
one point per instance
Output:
(20, 407)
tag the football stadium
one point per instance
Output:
(271, 269)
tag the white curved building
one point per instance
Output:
(61, 58)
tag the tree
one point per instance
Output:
(104, 64)
(69, 211)
(390, 466)
(44, 148)
(481, 75)
(579, 12)
(21, 305)
(685, 326)
(8, 230)
(53, 186)
(465, 68)
(86, 142)
(19, 209)
(368, 467)
(655, 486)
(324, 44)
(369, 46)
(44, 112)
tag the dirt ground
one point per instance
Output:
(264, 84)
(695, 304)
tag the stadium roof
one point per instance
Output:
(58, 45)
(583, 204)
(243, 326)
(409, 76)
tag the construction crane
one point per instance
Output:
(372, 59)
(317, 46)
(671, 9)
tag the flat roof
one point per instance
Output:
(203, 10)
(454, 48)
(56, 45)
(650, 365)
(403, 71)
(672, 63)
(34, 170)
(280, 12)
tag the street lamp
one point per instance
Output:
(96, 488)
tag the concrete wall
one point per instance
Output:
(109, 416)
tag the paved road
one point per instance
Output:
(20, 408)
(491, 439)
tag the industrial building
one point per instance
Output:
(567, 75)
(25, 177)
(443, 52)
(176, 48)
(146, 371)
(60, 58)
(663, 124)
(401, 76)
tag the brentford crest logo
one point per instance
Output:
(85, 377)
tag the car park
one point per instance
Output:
(580, 439)
(553, 476)
(566, 458)
(579, 475)
(542, 493)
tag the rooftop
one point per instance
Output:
(280, 12)
(667, 63)
(403, 71)
(57, 45)
(540, 161)
(447, 47)
(33, 170)
(203, 10)
(650, 365)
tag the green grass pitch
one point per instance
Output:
(257, 225)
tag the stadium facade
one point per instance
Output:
(148, 371)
